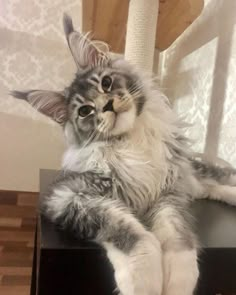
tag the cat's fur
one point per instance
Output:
(128, 174)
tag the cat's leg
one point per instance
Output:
(223, 193)
(179, 249)
(134, 252)
(218, 192)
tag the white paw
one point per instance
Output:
(140, 271)
(180, 272)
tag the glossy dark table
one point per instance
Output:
(64, 266)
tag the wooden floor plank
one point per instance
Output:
(17, 226)
(17, 236)
(16, 259)
(27, 199)
(14, 290)
(15, 280)
(10, 222)
(23, 228)
(19, 250)
(15, 271)
(17, 211)
(14, 244)
(28, 223)
(9, 198)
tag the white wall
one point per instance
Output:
(33, 54)
(199, 76)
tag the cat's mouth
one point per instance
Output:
(114, 116)
(116, 123)
(109, 106)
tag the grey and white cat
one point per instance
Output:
(128, 174)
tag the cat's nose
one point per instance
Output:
(109, 106)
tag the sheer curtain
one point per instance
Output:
(199, 76)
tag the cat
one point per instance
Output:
(129, 175)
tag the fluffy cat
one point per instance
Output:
(128, 174)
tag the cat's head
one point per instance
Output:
(105, 98)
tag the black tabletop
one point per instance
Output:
(215, 223)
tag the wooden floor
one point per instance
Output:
(17, 224)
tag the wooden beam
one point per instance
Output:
(107, 20)
(175, 16)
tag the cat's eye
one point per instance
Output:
(106, 83)
(86, 110)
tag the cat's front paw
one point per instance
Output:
(140, 272)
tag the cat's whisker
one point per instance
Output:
(101, 127)
(134, 88)
(107, 137)
(138, 95)
(89, 140)
(137, 89)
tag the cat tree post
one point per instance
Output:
(141, 33)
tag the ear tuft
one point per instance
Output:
(68, 25)
(49, 103)
(86, 53)
(19, 94)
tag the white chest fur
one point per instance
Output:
(137, 168)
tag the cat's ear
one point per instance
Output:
(49, 103)
(85, 52)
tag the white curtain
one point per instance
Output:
(199, 76)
